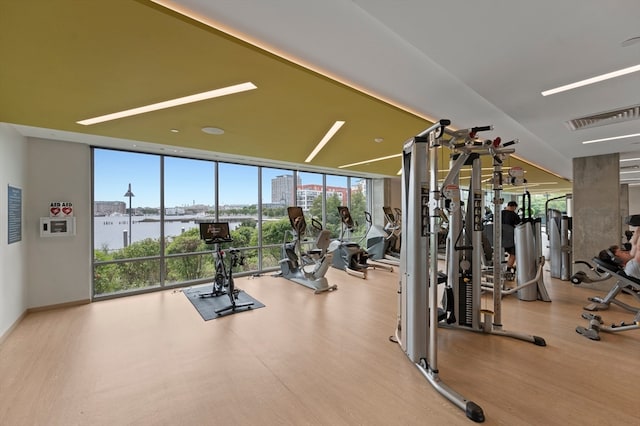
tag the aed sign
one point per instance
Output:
(60, 209)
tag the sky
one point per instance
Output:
(188, 181)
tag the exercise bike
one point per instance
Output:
(218, 233)
(215, 234)
(307, 268)
(232, 291)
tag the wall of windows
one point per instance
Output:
(126, 226)
(147, 211)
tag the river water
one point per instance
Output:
(110, 231)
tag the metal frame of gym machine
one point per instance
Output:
(528, 242)
(418, 312)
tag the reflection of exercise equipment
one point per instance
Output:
(348, 255)
(306, 267)
(394, 227)
(418, 311)
(559, 234)
(526, 237)
(381, 241)
(529, 259)
(218, 233)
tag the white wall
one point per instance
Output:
(59, 268)
(385, 192)
(13, 280)
(395, 193)
(634, 200)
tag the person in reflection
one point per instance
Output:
(510, 218)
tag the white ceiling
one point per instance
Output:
(474, 62)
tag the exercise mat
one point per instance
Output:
(207, 306)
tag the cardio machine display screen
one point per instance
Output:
(215, 232)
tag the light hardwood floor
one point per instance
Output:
(309, 359)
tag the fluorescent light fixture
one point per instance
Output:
(373, 160)
(332, 131)
(481, 176)
(243, 87)
(631, 171)
(612, 139)
(539, 184)
(592, 80)
(466, 169)
(630, 159)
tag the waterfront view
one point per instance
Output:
(139, 198)
(111, 232)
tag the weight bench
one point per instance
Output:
(624, 284)
(596, 325)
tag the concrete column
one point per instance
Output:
(596, 205)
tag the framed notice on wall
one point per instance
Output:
(14, 214)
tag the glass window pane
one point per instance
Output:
(126, 276)
(278, 193)
(238, 205)
(189, 198)
(271, 256)
(337, 189)
(358, 205)
(247, 261)
(189, 267)
(309, 194)
(126, 220)
(115, 173)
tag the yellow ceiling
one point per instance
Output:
(68, 60)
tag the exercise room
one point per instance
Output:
(345, 213)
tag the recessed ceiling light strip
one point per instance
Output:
(373, 160)
(220, 26)
(613, 138)
(243, 87)
(592, 80)
(332, 131)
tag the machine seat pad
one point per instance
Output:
(615, 269)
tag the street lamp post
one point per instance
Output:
(129, 194)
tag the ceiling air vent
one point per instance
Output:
(605, 118)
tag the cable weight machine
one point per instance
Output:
(424, 199)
